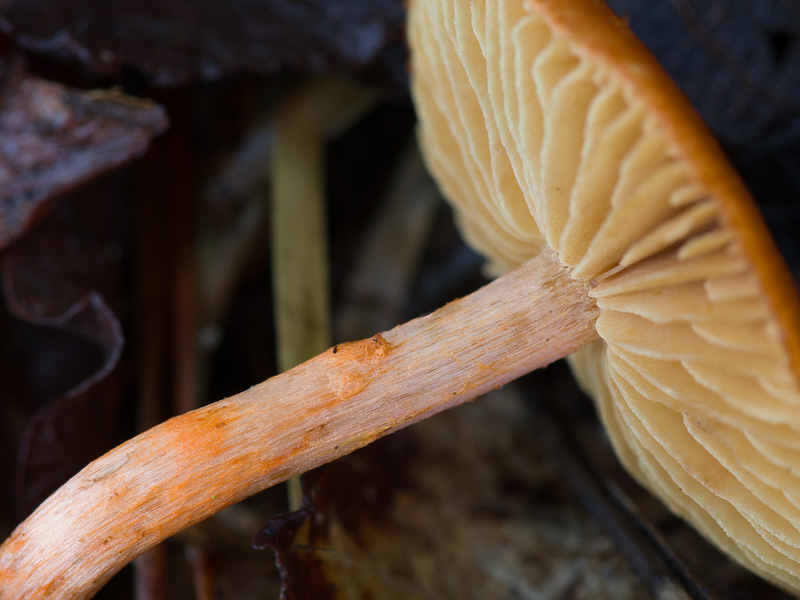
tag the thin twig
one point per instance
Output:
(152, 275)
(388, 259)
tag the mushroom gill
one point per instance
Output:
(551, 129)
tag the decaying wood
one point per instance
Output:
(194, 465)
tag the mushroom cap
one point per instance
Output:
(551, 128)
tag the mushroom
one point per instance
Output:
(555, 133)
(567, 151)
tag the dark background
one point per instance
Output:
(113, 213)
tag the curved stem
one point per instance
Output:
(194, 465)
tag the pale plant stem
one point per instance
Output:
(194, 465)
(301, 286)
(301, 293)
(298, 234)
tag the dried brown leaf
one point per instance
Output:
(55, 138)
(56, 281)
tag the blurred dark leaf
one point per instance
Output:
(301, 579)
(737, 60)
(53, 139)
(183, 41)
(67, 341)
(462, 505)
(775, 181)
(74, 428)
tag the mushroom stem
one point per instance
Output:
(194, 465)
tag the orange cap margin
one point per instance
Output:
(600, 35)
